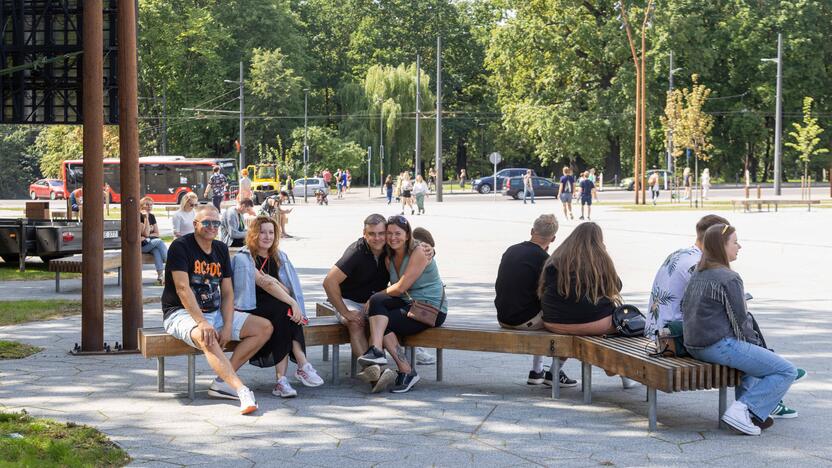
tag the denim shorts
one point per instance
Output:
(179, 324)
(566, 197)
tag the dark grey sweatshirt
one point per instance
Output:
(713, 307)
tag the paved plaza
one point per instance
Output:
(483, 413)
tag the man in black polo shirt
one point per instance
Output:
(518, 306)
(357, 275)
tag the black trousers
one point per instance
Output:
(395, 309)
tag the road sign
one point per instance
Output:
(495, 158)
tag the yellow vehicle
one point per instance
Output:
(265, 181)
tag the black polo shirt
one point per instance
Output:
(366, 273)
(517, 280)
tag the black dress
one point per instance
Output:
(275, 311)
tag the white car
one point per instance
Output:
(310, 184)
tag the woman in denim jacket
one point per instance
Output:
(266, 284)
(718, 329)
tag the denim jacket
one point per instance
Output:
(245, 298)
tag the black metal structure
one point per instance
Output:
(41, 62)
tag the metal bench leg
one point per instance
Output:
(119, 276)
(353, 365)
(57, 281)
(335, 358)
(192, 376)
(412, 351)
(555, 378)
(439, 364)
(651, 408)
(325, 352)
(586, 381)
(723, 405)
(160, 374)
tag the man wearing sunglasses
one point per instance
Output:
(198, 307)
(357, 275)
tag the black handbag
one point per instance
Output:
(628, 320)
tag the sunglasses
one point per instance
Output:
(398, 220)
(211, 223)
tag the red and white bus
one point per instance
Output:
(165, 179)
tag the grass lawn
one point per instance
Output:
(28, 441)
(14, 312)
(35, 271)
(14, 350)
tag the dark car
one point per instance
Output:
(543, 187)
(486, 184)
(46, 188)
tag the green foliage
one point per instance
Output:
(327, 151)
(49, 443)
(57, 143)
(806, 136)
(14, 350)
(684, 117)
(17, 157)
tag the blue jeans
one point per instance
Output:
(526, 192)
(217, 200)
(159, 250)
(389, 195)
(766, 376)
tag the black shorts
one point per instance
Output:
(405, 193)
(586, 201)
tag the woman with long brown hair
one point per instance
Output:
(718, 329)
(579, 288)
(267, 285)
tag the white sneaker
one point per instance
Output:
(308, 376)
(221, 389)
(386, 379)
(423, 357)
(284, 389)
(628, 383)
(737, 417)
(247, 403)
(370, 374)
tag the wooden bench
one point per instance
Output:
(746, 204)
(112, 261)
(156, 343)
(627, 357)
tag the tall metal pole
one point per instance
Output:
(92, 280)
(242, 123)
(438, 156)
(164, 119)
(305, 146)
(128, 131)
(369, 170)
(381, 146)
(644, 107)
(778, 119)
(670, 133)
(418, 99)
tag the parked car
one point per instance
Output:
(627, 183)
(486, 184)
(47, 188)
(543, 187)
(310, 184)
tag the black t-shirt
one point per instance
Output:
(517, 280)
(560, 309)
(366, 274)
(205, 273)
(152, 220)
(586, 188)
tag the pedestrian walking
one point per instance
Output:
(706, 183)
(420, 190)
(462, 177)
(653, 183)
(565, 191)
(388, 188)
(528, 189)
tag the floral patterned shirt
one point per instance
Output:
(665, 304)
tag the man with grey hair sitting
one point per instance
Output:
(518, 306)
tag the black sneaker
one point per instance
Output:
(536, 378)
(371, 357)
(404, 382)
(563, 380)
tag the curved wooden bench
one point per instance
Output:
(112, 261)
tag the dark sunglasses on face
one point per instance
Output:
(398, 220)
(211, 223)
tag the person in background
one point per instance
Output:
(420, 190)
(183, 218)
(217, 185)
(587, 193)
(388, 188)
(517, 302)
(528, 188)
(245, 186)
(718, 329)
(407, 192)
(686, 182)
(706, 183)
(653, 183)
(349, 180)
(327, 176)
(565, 190)
(76, 199)
(462, 177)
(289, 188)
(266, 285)
(150, 239)
(233, 230)
(432, 179)
(338, 187)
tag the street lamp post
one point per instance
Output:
(778, 117)
(670, 169)
(305, 146)
(380, 102)
(242, 125)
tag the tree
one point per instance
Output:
(18, 159)
(691, 125)
(806, 138)
(328, 151)
(57, 143)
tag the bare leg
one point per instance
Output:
(300, 356)
(378, 323)
(280, 367)
(358, 338)
(256, 331)
(391, 343)
(218, 360)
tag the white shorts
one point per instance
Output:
(180, 324)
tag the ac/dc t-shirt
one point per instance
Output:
(205, 273)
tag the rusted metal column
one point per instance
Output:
(92, 280)
(128, 111)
